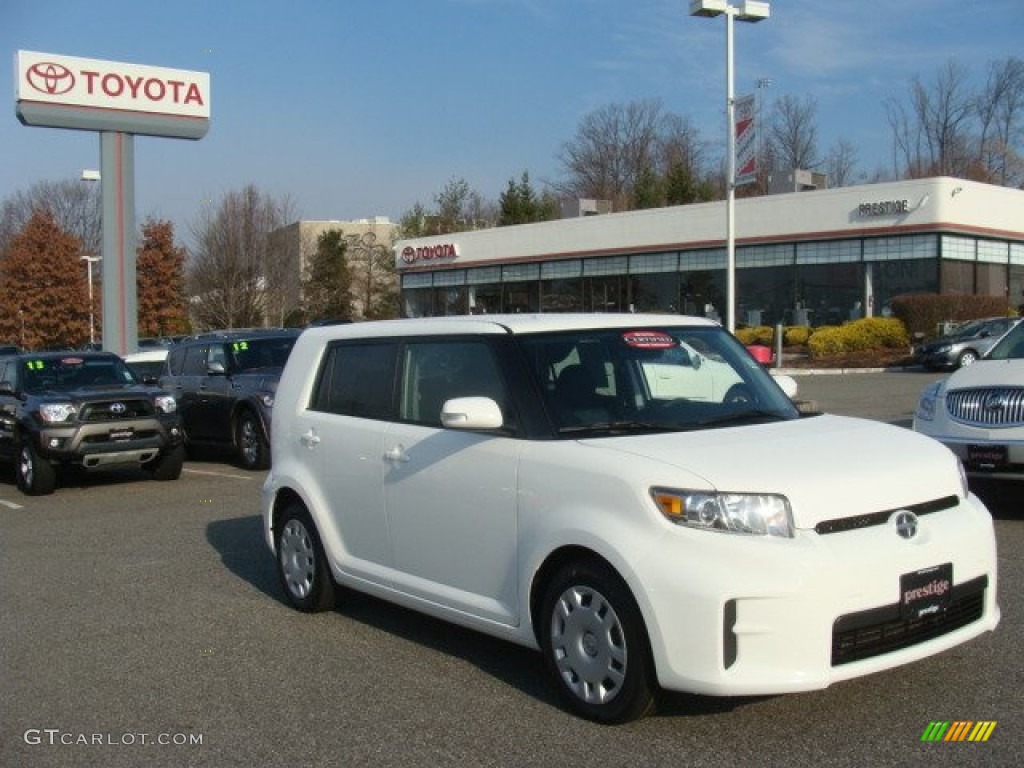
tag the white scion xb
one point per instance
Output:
(631, 494)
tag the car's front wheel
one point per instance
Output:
(35, 475)
(168, 466)
(595, 644)
(301, 562)
(252, 444)
(967, 357)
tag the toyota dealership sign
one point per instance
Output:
(69, 92)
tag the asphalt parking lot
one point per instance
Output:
(142, 624)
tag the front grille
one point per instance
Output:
(843, 524)
(866, 634)
(110, 411)
(987, 406)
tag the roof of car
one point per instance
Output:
(64, 354)
(502, 324)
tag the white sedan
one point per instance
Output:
(978, 412)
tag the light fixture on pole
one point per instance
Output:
(744, 10)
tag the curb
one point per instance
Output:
(840, 371)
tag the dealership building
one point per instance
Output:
(813, 257)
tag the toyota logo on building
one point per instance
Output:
(49, 78)
(905, 523)
(118, 408)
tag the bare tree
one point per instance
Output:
(793, 132)
(234, 273)
(1000, 109)
(840, 163)
(76, 207)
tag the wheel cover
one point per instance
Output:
(588, 645)
(26, 467)
(248, 440)
(967, 358)
(298, 559)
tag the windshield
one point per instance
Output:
(74, 372)
(655, 379)
(251, 354)
(1010, 347)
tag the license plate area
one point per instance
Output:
(989, 457)
(121, 435)
(926, 592)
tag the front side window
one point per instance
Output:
(436, 371)
(656, 379)
(1011, 346)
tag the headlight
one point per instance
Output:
(165, 403)
(943, 349)
(762, 514)
(926, 405)
(56, 412)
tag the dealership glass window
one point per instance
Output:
(648, 263)
(611, 265)
(1016, 287)
(481, 275)
(1017, 253)
(901, 247)
(829, 294)
(703, 292)
(512, 273)
(763, 294)
(604, 294)
(959, 248)
(894, 278)
(561, 295)
(654, 293)
(417, 280)
(957, 276)
(764, 255)
(450, 277)
(829, 252)
(417, 302)
(993, 251)
(484, 299)
(710, 258)
(552, 270)
(451, 300)
(991, 279)
(521, 296)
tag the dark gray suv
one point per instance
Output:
(225, 384)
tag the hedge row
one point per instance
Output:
(831, 341)
(922, 313)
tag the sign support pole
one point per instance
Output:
(120, 305)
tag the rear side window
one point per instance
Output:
(357, 380)
(175, 360)
(195, 360)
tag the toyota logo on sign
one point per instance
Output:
(49, 78)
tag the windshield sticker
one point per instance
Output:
(71, 361)
(35, 365)
(648, 340)
(240, 346)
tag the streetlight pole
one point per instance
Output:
(746, 10)
(89, 261)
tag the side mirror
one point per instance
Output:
(471, 413)
(216, 369)
(787, 384)
(6, 388)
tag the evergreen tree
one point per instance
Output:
(327, 288)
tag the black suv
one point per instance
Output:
(224, 384)
(85, 410)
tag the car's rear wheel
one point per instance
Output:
(301, 563)
(168, 466)
(35, 475)
(595, 644)
(253, 448)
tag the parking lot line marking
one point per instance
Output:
(10, 504)
(219, 474)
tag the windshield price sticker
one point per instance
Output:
(648, 340)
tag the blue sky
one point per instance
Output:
(357, 108)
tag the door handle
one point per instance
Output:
(310, 439)
(396, 453)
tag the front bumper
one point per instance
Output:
(107, 445)
(754, 617)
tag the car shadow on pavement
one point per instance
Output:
(239, 542)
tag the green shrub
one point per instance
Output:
(869, 333)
